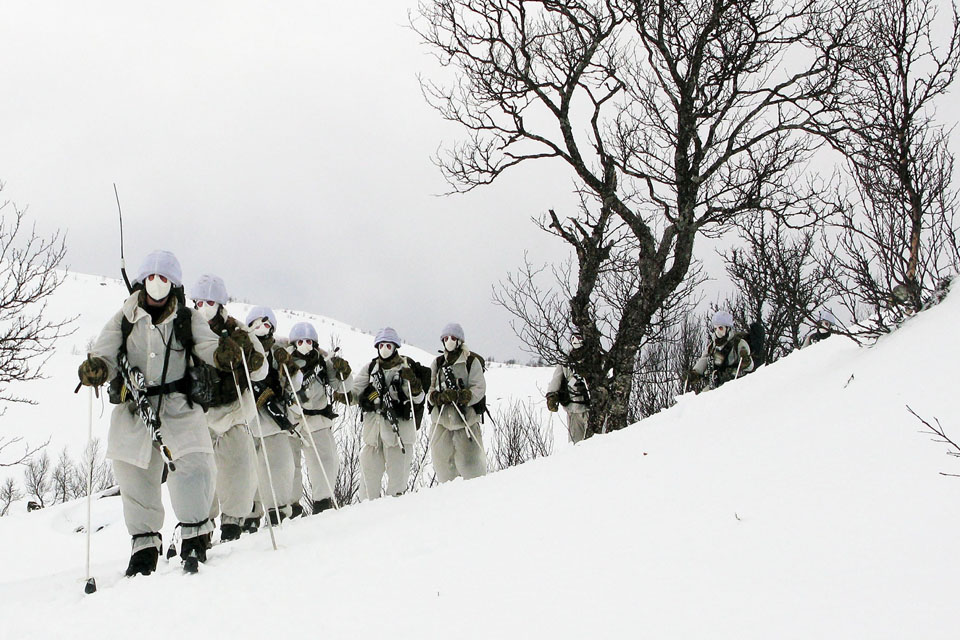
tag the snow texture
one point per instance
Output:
(798, 502)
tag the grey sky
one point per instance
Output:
(283, 146)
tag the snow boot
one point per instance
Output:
(322, 505)
(251, 525)
(229, 532)
(193, 551)
(297, 509)
(272, 514)
(143, 562)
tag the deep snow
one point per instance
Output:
(798, 502)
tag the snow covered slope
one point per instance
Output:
(798, 502)
(62, 416)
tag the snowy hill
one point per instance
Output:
(799, 502)
(62, 416)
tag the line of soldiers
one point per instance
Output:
(227, 412)
(727, 356)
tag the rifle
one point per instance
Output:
(135, 384)
(275, 405)
(387, 408)
(451, 381)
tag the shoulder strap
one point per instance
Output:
(183, 329)
(474, 356)
(125, 328)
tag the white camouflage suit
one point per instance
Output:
(274, 447)
(137, 461)
(317, 429)
(381, 450)
(234, 450)
(577, 409)
(457, 447)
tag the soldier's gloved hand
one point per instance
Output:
(264, 397)
(745, 362)
(93, 371)
(242, 338)
(255, 360)
(464, 396)
(339, 397)
(434, 398)
(553, 402)
(341, 366)
(228, 354)
(449, 396)
(282, 357)
(408, 374)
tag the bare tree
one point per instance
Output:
(349, 442)
(940, 436)
(663, 365)
(95, 465)
(28, 277)
(20, 457)
(897, 228)
(9, 493)
(37, 478)
(520, 435)
(779, 281)
(63, 478)
(672, 118)
(422, 473)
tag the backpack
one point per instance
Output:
(756, 337)
(481, 405)
(423, 374)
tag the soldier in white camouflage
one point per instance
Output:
(568, 389)
(161, 339)
(727, 356)
(319, 376)
(388, 446)
(823, 328)
(458, 389)
(229, 415)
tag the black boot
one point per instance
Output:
(192, 552)
(143, 562)
(322, 505)
(272, 514)
(251, 525)
(297, 510)
(229, 532)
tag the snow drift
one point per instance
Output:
(798, 502)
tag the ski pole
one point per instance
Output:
(266, 458)
(91, 586)
(433, 437)
(313, 444)
(246, 424)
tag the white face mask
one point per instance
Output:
(208, 311)
(157, 288)
(260, 328)
(386, 350)
(304, 347)
(720, 332)
(450, 343)
(575, 343)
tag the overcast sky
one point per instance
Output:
(283, 146)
